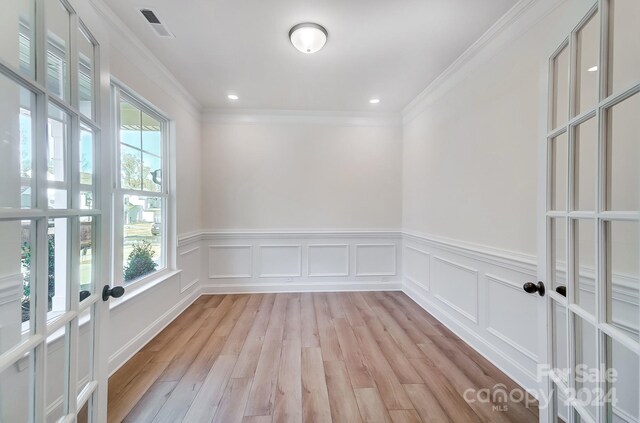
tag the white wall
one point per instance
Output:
(136, 320)
(300, 174)
(470, 194)
(470, 147)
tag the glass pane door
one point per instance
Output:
(593, 218)
(50, 216)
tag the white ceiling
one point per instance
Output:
(390, 49)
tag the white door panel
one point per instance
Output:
(590, 219)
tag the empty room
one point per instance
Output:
(320, 211)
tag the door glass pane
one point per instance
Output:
(623, 155)
(559, 164)
(16, 32)
(560, 405)
(622, 383)
(57, 352)
(16, 391)
(86, 167)
(58, 244)
(143, 227)
(586, 365)
(585, 254)
(560, 357)
(624, 63)
(16, 148)
(623, 276)
(587, 73)
(85, 73)
(58, 35)
(16, 256)
(586, 161)
(87, 249)
(558, 252)
(561, 88)
(58, 129)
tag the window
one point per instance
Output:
(142, 189)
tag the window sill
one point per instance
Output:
(136, 289)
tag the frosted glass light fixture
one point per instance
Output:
(308, 37)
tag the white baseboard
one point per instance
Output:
(128, 350)
(489, 351)
(230, 288)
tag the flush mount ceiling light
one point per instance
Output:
(374, 101)
(308, 37)
(232, 97)
(592, 69)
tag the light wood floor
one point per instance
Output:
(342, 357)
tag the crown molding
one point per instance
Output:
(267, 116)
(116, 24)
(518, 20)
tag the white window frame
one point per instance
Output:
(119, 91)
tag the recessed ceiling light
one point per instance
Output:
(232, 97)
(308, 37)
(374, 101)
(592, 69)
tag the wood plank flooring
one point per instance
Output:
(309, 357)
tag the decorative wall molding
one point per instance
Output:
(469, 287)
(518, 20)
(236, 255)
(269, 116)
(520, 262)
(461, 277)
(189, 266)
(375, 260)
(274, 264)
(332, 262)
(408, 266)
(301, 234)
(497, 356)
(286, 261)
(490, 325)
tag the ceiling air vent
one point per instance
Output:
(160, 29)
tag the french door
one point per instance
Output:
(52, 225)
(592, 218)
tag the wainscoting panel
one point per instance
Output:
(505, 305)
(416, 266)
(477, 293)
(456, 286)
(280, 261)
(302, 261)
(190, 261)
(376, 260)
(230, 261)
(328, 260)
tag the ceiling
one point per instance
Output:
(376, 48)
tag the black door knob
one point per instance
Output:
(562, 290)
(531, 287)
(115, 292)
